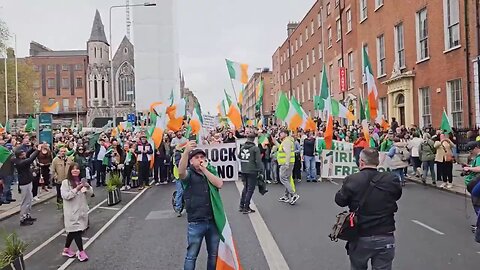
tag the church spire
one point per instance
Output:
(98, 30)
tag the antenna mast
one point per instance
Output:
(127, 15)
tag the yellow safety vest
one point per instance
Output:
(282, 156)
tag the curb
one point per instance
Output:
(419, 181)
(15, 210)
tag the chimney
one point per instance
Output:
(291, 26)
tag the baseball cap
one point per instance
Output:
(196, 152)
(472, 145)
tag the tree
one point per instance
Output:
(26, 76)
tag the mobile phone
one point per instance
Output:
(83, 180)
(192, 138)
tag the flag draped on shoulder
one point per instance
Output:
(227, 258)
(53, 109)
(237, 71)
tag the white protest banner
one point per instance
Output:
(341, 163)
(224, 158)
(209, 122)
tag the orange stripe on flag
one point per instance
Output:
(372, 103)
(329, 133)
(295, 122)
(244, 75)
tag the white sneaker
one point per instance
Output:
(449, 186)
(443, 185)
(284, 199)
(294, 199)
(157, 184)
(36, 198)
(127, 187)
(268, 181)
(123, 188)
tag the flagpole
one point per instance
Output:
(234, 91)
(6, 89)
(16, 76)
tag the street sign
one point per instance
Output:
(343, 79)
(131, 118)
(45, 128)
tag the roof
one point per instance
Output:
(63, 53)
(98, 31)
(124, 44)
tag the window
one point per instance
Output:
(383, 107)
(312, 28)
(313, 56)
(288, 74)
(51, 101)
(65, 83)
(308, 61)
(296, 44)
(381, 69)
(78, 67)
(339, 30)
(79, 103)
(306, 33)
(36, 68)
(309, 95)
(281, 60)
(297, 69)
(303, 92)
(348, 13)
(320, 50)
(329, 37)
(378, 4)
(65, 67)
(454, 93)
(291, 49)
(424, 105)
(363, 10)
(36, 83)
(65, 104)
(350, 70)
(301, 40)
(319, 19)
(314, 85)
(298, 92)
(452, 23)
(330, 75)
(51, 83)
(288, 53)
(422, 34)
(50, 67)
(301, 65)
(328, 9)
(399, 46)
(79, 82)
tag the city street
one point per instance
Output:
(433, 231)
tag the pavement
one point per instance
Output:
(143, 232)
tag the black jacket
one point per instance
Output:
(197, 197)
(376, 217)
(250, 158)
(25, 175)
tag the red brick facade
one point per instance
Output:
(399, 91)
(249, 96)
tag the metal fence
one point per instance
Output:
(463, 139)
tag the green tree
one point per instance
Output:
(26, 76)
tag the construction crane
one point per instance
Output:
(127, 17)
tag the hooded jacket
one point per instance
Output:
(25, 174)
(250, 158)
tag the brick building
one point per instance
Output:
(61, 78)
(250, 99)
(421, 53)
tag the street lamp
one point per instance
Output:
(114, 118)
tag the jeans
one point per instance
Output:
(399, 173)
(310, 167)
(428, 165)
(297, 168)
(379, 249)
(7, 187)
(275, 168)
(477, 232)
(268, 168)
(249, 184)
(196, 232)
(27, 197)
(179, 195)
(101, 172)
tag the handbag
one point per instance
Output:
(346, 225)
(448, 155)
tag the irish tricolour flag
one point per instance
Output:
(237, 71)
(53, 109)
(288, 113)
(227, 252)
(372, 92)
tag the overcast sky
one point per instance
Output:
(247, 31)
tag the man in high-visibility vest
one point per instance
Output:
(286, 160)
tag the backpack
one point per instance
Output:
(404, 154)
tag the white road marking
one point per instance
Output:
(109, 208)
(269, 246)
(35, 250)
(130, 192)
(89, 242)
(333, 182)
(427, 227)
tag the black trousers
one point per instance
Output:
(249, 184)
(127, 175)
(77, 236)
(159, 170)
(101, 172)
(59, 193)
(143, 172)
(45, 173)
(297, 167)
(445, 171)
(35, 184)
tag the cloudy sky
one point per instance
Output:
(248, 31)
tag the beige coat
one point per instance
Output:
(75, 207)
(59, 169)
(443, 148)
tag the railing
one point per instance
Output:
(463, 139)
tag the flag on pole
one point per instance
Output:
(339, 110)
(228, 98)
(286, 112)
(445, 125)
(222, 111)
(237, 71)
(235, 116)
(196, 121)
(240, 97)
(227, 258)
(176, 113)
(300, 111)
(371, 87)
(5, 155)
(259, 94)
(30, 125)
(311, 125)
(171, 98)
(53, 109)
(329, 132)
(324, 90)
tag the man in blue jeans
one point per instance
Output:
(200, 217)
(309, 157)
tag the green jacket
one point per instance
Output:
(386, 145)
(427, 151)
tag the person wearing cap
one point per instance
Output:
(23, 161)
(252, 168)
(144, 153)
(472, 180)
(200, 218)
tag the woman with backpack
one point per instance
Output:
(400, 156)
(427, 153)
(444, 159)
